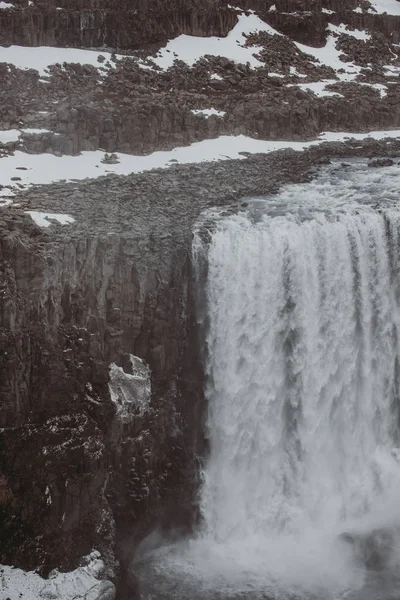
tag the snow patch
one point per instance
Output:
(319, 88)
(4, 5)
(294, 71)
(9, 135)
(13, 135)
(392, 70)
(44, 219)
(328, 55)
(40, 57)
(382, 89)
(47, 168)
(391, 7)
(84, 582)
(208, 112)
(130, 391)
(6, 202)
(190, 49)
(343, 29)
(31, 131)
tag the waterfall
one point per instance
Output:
(299, 307)
(302, 367)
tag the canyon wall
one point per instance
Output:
(78, 473)
(72, 468)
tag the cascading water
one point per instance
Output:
(302, 360)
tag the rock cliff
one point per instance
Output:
(71, 465)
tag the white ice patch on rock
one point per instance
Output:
(81, 584)
(209, 112)
(130, 392)
(190, 49)
(4, 5)
(44, 219)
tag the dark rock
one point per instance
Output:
(381, 162)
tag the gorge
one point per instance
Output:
(199, 288)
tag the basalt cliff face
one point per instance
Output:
(99, 449)
(126, 25)
(75, 465)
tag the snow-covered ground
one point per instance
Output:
(190, 48)
(47, 168)
(10, 135)
(13, 135)
(40, 57)
(391, 7)
(44, 219)
(83, 583)
(318, 88)
(329, 56)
